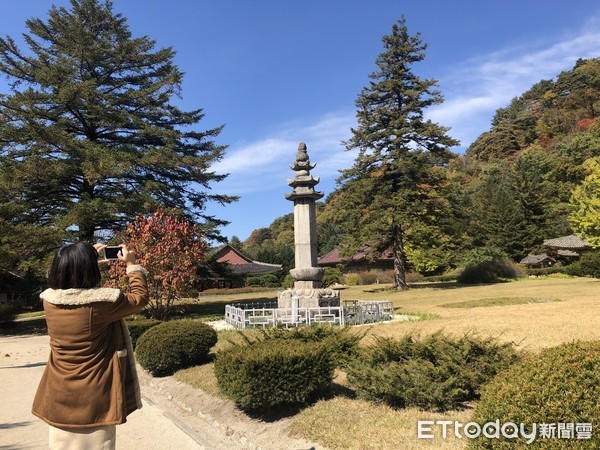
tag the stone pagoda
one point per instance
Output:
(308, 291)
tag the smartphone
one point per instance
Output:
(111, 252)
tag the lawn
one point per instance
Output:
(533, 313)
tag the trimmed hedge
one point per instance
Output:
(342, 345)
(170, 346)
(436, 373)
(139, 327)
(559, 385)
(269, 374)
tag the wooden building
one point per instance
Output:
(538, 261)
(230, 268)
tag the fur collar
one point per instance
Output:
(80, 296)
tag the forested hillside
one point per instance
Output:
(509, 191)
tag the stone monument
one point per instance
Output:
(308, 291)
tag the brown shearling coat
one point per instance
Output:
(90, 379)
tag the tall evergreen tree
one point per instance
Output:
(89, 133)
(400, 153)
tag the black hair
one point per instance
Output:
(75, 266)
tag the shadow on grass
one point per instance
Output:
(36, 325)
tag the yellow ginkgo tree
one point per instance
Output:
(585, 203)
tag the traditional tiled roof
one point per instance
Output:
(566, 242)
(255, 268)
(567, 253)
(536, 259)
(242, 264)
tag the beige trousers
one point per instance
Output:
(98, 438)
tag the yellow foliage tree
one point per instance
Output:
(585, 201)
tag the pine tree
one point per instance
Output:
(89, 133)
(401, 154)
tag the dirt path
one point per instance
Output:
(174, 416)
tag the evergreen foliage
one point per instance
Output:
(138, 327)
(560, 385)
(435, 373)
(270, 374)
(511, 190)
(399, 171)
(178, 344)
(89, 133)
(587, 266)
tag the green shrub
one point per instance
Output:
(341, 344)
(174, 345)
(587, 266)
(268, 280)
(331, 275)
(559, 385)
(436, 373)
(8, 314)
(351, 279)
(546, 270)
(479, 255)
(253, 282)
(269, 374)
(491, 271)
(288, 282)
(138, 327)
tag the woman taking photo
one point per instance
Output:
(90, 383)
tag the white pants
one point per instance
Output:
(98, 438)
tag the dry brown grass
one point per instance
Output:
(344, 423)
(533, 326)
(200, 377)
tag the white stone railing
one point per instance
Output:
(354, 312)
(282, 317)
(358, 312)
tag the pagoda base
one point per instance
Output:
(308, 298)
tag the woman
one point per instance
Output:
(90, 383)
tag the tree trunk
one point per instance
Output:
(399, 259)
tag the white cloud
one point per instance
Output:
(473, 93)
(264, 164)
(482, 85)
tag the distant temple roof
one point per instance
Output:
(571, 242)
(242, 264)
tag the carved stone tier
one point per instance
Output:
(309, 298)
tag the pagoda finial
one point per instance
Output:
(302, 155)
(303, 183)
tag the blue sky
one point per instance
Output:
(278, 72)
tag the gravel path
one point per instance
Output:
(174, 416)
